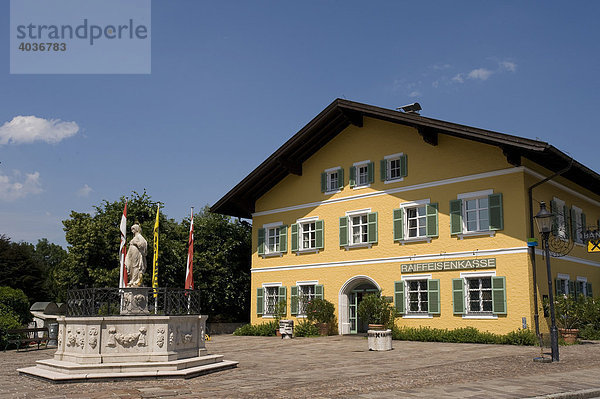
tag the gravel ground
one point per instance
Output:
(335, 367)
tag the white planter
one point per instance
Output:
(380, 340)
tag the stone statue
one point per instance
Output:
(135, 261)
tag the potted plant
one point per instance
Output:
(280, 313)
(321, 312)
(568, 316)
(377, 311)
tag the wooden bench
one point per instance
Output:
(19, 336)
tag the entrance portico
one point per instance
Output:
(350, 296)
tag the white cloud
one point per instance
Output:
(508, 66)
(27, 129)
(480, 74)
(84, 191)
(458, 78)
(15, 187)
(414, 94)
(439, 67)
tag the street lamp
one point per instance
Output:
(543, 219)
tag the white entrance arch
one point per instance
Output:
(347, 287)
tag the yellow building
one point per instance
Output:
(431, 213)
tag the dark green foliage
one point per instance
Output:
(8, 320)
(377, 309)
(17, 302)
(305, 328)
(464, 335)
(19, 268)
(267, 329)
(320, 311)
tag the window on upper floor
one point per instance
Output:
(358, 228)
(272, 239)
(332, 180)
(307, 235)
(393, 167)
(476, 212)
(415, 220)
(361, 174)
(560, 227)
(578, 224)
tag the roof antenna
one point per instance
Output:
(413, 108)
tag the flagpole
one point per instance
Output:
(189, 272)
(155, 261)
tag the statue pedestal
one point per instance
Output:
(134, 301)
(129, 346)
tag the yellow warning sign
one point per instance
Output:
(594, 246)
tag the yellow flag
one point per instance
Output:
(155, 257)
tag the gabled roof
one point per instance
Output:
(240, 200)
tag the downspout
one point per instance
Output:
(536, 316)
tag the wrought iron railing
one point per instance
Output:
(117, 301)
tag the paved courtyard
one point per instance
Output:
(340, 367)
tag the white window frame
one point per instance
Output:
(300, 284)
(350, 215)
(388, 174)
(268, 228)
(578, 233)
(476, 315)
(561, 218)
(265, 287)
(357, 166)
(405, 206)
(328, 173)
(475, 195)
(301, 231)
(566, 278)
(414, 315)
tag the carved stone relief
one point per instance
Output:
(160, 337)
(93, 341)
(126, 340)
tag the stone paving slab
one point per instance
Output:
(340, 367)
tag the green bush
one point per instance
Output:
(8, 320)
(267, 329)
(306, 329)
(464, 335)
(376, 309)
(16, 300)
(320, 311)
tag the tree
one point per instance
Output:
(19, 268)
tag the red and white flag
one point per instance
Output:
(123, 249)
(189, 270)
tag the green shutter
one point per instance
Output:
(371, 172)
(572, 288)
(433, 296)
(383, 169)
(352, 181)
(399, 296)
(319, 234)
(458, 295)
(554, 212)
(567, 222)
(281, 297)
(431, 226)
(456, 217)
(588, 289)
(343, 231)
(573, 224)
(261, 241)
(404, 165)
(341, 178)
(295, 237)
(294, 300)
(499, 295)
(398, 224)
(496, 214)
(583, 224)
(557, 288)
(319, 291)
(372, 227)
(259, 301)
(283, 238)
(323, 182)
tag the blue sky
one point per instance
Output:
(231, 81)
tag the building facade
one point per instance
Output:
(433, 214)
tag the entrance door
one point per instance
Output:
(354, 298)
